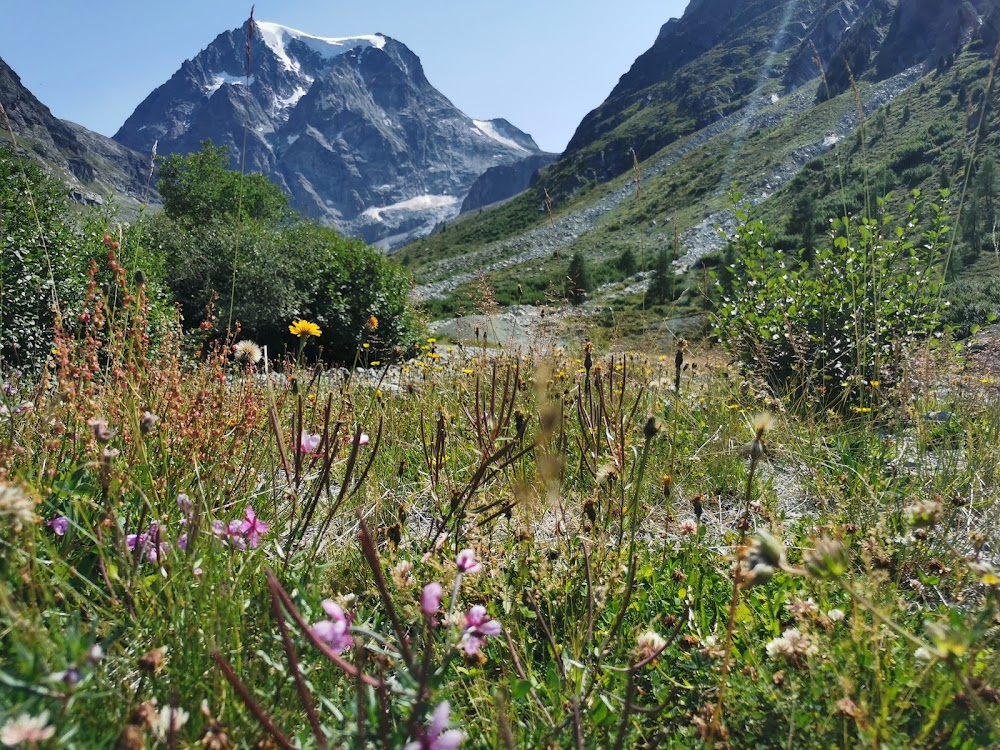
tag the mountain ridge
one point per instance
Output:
(349, 127)
(756, 117)
(91, 165)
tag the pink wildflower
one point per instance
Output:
(478, 627)
(689, 527)
(467, 562)
(102, 433)
(229, 534)
(363, 439)
(436, 737)
(309, 444)
(335, 632)
(150, 543)
(430, 599)
(59, 525)
(29, 729)
(253, 528)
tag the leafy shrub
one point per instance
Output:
(265, 266)
(201, 188)
(42, 261)
(578, 281)
(829, 330)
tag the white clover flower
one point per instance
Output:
(168, 719)
(648, 644)
(26, 728)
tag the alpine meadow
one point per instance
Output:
(334, 417)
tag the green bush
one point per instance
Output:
(200, 188)
(42, 261)
(972, 303)
(835, 330)
(578, 281)
(242, 251)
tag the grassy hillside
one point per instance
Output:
(800, 161)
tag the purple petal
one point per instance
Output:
(430, 599)
(333, 610)
(472, 644)
(439, 719)
(449, 740)
(334, 634)
(59, 525)
(476, 615)
(309, 443)
(466, 561)
(491, 628)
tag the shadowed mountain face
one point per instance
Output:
(350, 128)
(91, 165)
(723, 55)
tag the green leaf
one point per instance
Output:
(519, 689)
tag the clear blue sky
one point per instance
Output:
(542, 65)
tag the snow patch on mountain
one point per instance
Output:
(218, 79)
(417, 203)
(276, 37)
(489, 130)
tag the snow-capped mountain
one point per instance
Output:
(349, 127)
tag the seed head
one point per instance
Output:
(653, 427)
(827, 560)
(247, 352)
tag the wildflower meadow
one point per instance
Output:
(205, 545)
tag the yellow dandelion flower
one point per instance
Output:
(375, 363)
(875, 383)
(365, 346)
(468, 371)
(434, 355)
(373, 323)
(988, 381)
(862, 409)
(304, 329)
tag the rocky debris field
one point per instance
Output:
(701, 239)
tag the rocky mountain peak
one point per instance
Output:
(350, 127)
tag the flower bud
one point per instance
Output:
(827, 560)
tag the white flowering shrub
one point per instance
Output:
(833, 330)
